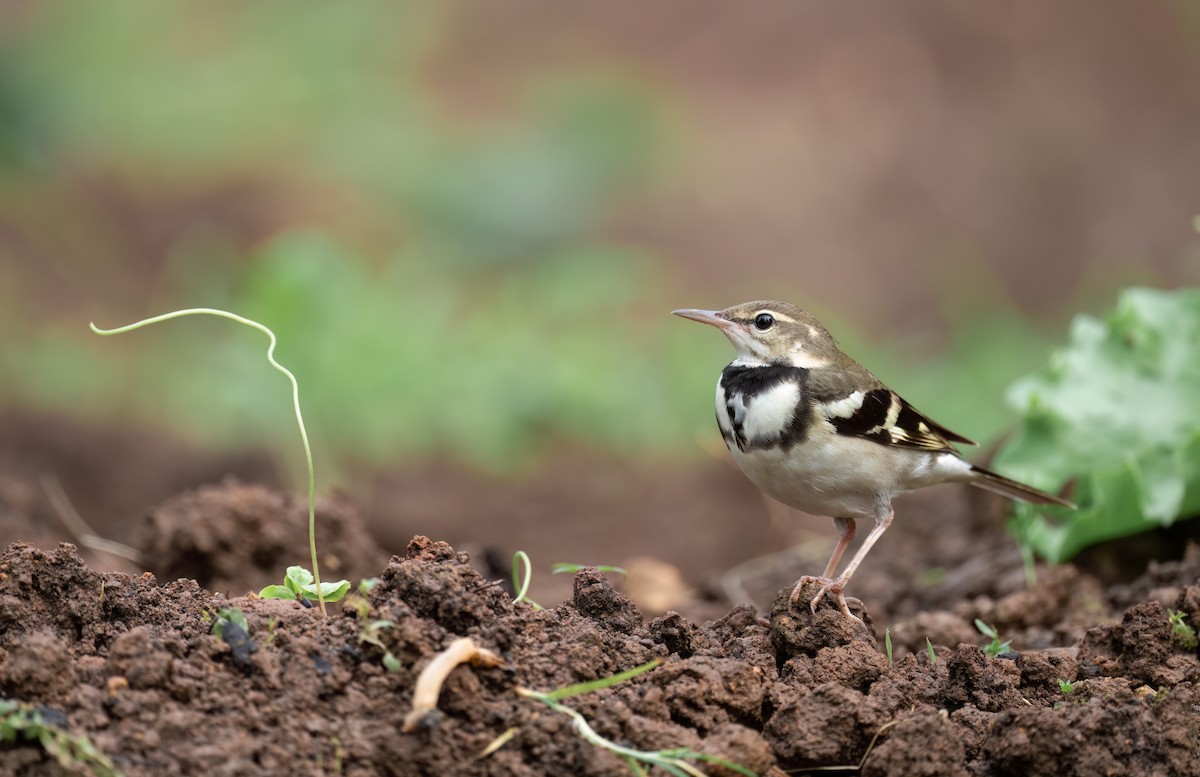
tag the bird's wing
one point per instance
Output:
(858, 405)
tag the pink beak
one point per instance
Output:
(711, 317)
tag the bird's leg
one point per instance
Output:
(846, 528)
(883, 519)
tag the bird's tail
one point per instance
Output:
(998, 484)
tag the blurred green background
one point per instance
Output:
(467, 223)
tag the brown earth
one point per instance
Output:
(131, 662)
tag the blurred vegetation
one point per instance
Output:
(1115, 412)
(439, 284)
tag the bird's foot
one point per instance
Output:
(829, 585)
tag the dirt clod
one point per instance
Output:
(924, 744)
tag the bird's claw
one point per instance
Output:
(829, 585)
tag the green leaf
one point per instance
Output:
(277, 592)
(297, 578)
(331, 592)
(1116, 412)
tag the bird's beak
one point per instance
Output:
(711, 317)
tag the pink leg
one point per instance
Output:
(846, 528)
(883, 520)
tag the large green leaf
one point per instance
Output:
(1117, 411)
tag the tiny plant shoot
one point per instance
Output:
(226, 616)
(995, 647)
(298, 583)
(1184, 633)
(76, 754)
(308, 460)
(522, 574)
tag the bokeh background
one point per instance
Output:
(467, 223)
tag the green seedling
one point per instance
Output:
(225, 616)
(887, 644)
(298, 583)
(370, 635)
(1185, 634)
(358, 605)
(357, 602)
(25, 722)
(1066, 686)
(561, 569)
(522, 574)
(673, 761)
(930, 652)
(995, 647)
(308, 459)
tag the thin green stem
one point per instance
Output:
(308, 459)
(656, 758)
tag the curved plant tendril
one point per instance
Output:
(308, 460)
(521, 582)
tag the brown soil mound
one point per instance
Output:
(134, 666)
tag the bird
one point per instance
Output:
(815, 430)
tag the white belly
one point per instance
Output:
(835, 475)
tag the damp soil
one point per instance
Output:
(131, 662)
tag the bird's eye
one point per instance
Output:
(764, 321)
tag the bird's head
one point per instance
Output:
(767, 332)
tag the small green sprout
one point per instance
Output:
(370, 635)
(298, 584)
(673, 761)
(1185, 634)
(226, 616)
(995, 647)
(19, 721)
(308, 459)
(1066, 686)
(561, 569)
(521, 577)
(930, 652)
(887, 644)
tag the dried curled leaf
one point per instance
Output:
(429, 682)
